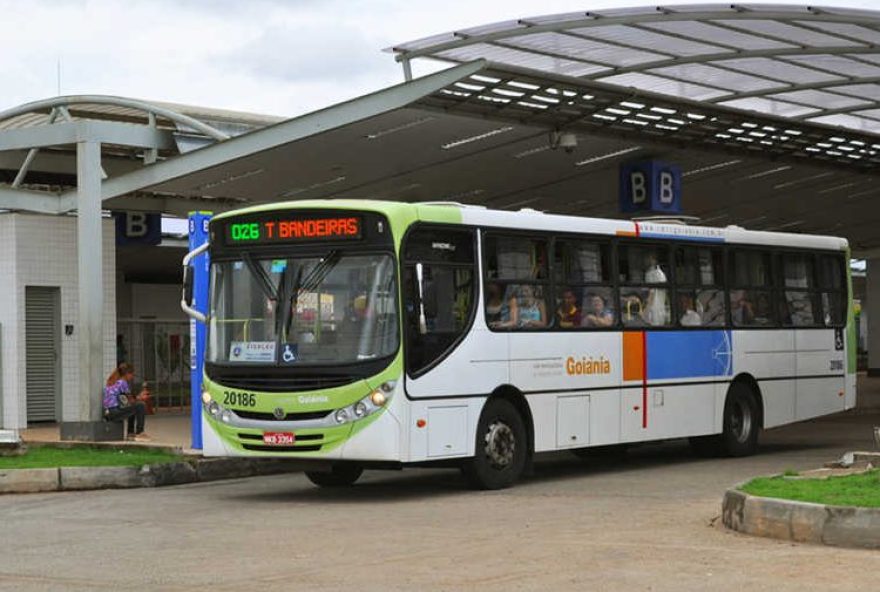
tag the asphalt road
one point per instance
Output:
(647, 523)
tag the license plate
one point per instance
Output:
(278, 438)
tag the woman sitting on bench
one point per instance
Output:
(120, 404)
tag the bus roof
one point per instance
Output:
(472, 215)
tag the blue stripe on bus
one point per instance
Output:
(698, 239)
(689, 354)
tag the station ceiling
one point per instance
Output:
(487, 133)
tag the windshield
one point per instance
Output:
(335, 309)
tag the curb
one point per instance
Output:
(157, 475)
(801, 522)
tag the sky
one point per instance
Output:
(280, 57)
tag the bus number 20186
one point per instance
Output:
(239, 399)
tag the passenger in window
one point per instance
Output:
(653, 273)
(497, 308)
(741, 309)
(631, 310)
(527, 310)
(763, 310)
(598, 314)
(568, 314)
(689, 315)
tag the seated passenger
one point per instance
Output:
(497, 309)
(527, 311)
(568, 314)
(741, 310)
(598, 313)
(689, 316)
(631, 310)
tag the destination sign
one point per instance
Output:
(291, 230)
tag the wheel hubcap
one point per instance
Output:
(500, 445)
(741, 421)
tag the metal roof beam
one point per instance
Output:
(29, 201)
(104, 132)
(289, 131)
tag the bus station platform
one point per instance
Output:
(172, 428)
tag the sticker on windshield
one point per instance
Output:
(279, 265)
(289, 355)
(252, 351)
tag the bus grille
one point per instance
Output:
(306, 415)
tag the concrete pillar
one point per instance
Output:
(90, 281)
(872, 306)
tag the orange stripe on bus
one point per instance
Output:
(633, 356)
(627, 233)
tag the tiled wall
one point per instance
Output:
(41, 251)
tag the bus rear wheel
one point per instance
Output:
(741, 422)
(501, 449)
(741, 425)
(337, 476)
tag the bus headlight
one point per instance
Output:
(365, 407)
(214, 408)
(377, 398)
(206, 397)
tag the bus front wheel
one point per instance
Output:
(338, 476)
(501, 447)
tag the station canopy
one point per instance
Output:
(771, 113)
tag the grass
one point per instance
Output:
(41, 457)
(850, 490)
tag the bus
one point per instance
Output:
(369, 334)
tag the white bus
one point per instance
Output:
(374, 334)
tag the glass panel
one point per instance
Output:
(516, 258)
(833, 309)
(642, 307)
(751, 308)
(750, 268)
(798, 271)
(797, 309)
(497, 306)
(701, 308)
(697, 266)
(643, 265)
(831, 272)
(309, 310)
(582, 263)
(448, 298)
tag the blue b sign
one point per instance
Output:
(650, 187)
(138, 228)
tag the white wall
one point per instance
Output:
(40, 250)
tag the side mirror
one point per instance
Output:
(420, 282)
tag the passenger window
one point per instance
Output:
(700, 296)
(751, 294)
(799, 302)
(585, 297)
(517, 283)
(642, 269)
(440, 309)
(832, 286)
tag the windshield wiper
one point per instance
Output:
(301, 286)
(263, 279)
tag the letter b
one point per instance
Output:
(639, 191)
(136, 225)
(666, 192)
